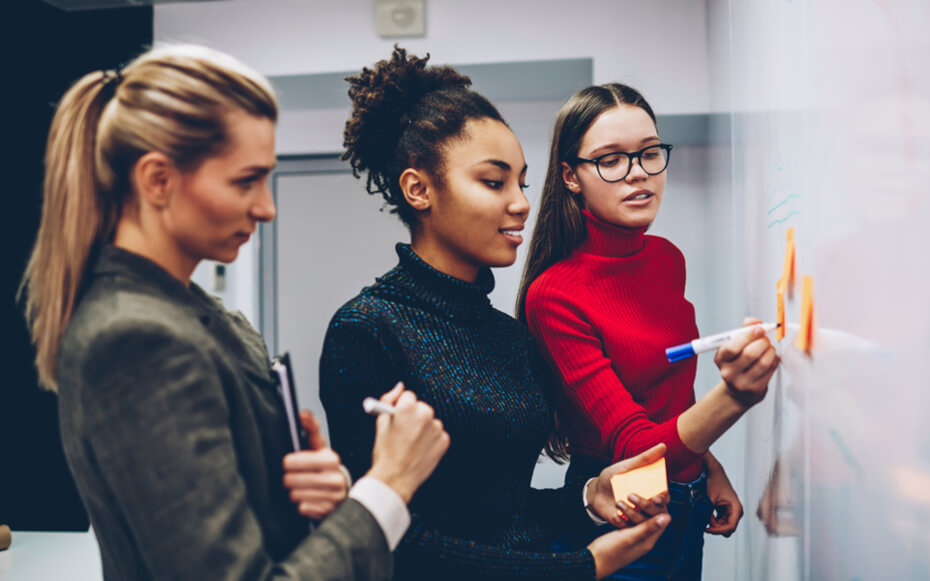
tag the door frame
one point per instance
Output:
(287, 166)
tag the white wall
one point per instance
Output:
(659, 46)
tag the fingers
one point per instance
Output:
(639, 509)
(641, 459)
(722, 522)
(312, 461)
(406, 402)
(617, 549)
(764, 367)
(421, 413)
(653, 525)
(748, 347)
(408, 445)
(403, 400)
(746, 364)
(315, 481)
(642, 537)
(314, 432)
(306, 485)
(724, 519)
(392, 396)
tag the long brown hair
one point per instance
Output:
(172, 99)
(560, 226)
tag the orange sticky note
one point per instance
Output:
(806, 334)
(787, 272)
(780, 311)
(646, 481)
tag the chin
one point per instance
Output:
(508, 261)
(225, 256)
(635, 221)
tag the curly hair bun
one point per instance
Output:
(402, 113)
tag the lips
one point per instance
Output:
(513, 233)
(639, 196)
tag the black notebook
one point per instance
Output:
(282, 366)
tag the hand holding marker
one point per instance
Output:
(374, 407)
(702, 344)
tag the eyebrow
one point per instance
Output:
(616, 147)
(502, 164)
(257, 170)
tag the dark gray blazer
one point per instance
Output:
(175, 433)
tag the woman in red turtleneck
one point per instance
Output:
(604, 300)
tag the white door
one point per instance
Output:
(332, 239)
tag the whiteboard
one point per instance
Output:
(830, 136)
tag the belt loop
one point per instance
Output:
(694, 489)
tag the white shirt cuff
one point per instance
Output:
(584, 502)
(385, 505)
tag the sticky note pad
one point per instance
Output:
(806, 334)
(781, 319)
(646, 481)
(787, 273)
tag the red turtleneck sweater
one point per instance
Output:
(604, 317)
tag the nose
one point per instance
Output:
(636, 170)
(519, 205)
(263, 209)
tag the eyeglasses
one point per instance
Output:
(615, 166)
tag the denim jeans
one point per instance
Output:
(678, 554)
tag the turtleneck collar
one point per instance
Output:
(606, 239)
(413, 280)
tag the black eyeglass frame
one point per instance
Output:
(632, 155)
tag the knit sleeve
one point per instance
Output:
(576, 353)
(355, 364)
(358, 360)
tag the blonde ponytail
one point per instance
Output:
(172, 99)
(74, 219)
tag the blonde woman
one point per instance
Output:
(169, 415)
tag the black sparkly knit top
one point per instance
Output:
(477, 516)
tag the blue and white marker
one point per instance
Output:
(708, 343)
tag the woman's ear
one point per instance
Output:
(417, 188)
(570, 179)
(154, 177)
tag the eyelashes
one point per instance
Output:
(497, 184)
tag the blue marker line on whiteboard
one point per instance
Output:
(679, 352)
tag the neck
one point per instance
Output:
(132, 237)
(442, 260)
(607, 239)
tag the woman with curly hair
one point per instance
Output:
(445, 160)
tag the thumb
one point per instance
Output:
(638, 461)
(314, 433)
(651, 526)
